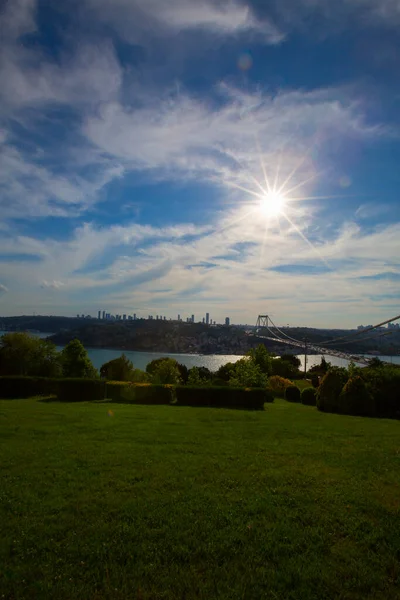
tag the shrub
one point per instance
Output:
(292, 393)
(315, 380)
(164, 370)
(355, 399)
(278, 385)
(329, 390)
(24, 355)
(247, 373)
(127, 393)
(261, 358)
(284, 368)
(76, 362)
(80, 389)
(383, 384)
(118, 369)
(223, 397)
(12, 387)
(309, 396)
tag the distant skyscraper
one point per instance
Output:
(104, 314)
(207, 318)
(204, 320)
(179, 317)
(99, 315)
(227, 321)
(124, 317)
(192, 318)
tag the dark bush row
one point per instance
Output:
(223, 397)
(375, 392)
(130, 393)
(81, 390)
(25, 387)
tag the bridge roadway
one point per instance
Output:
(329, 351)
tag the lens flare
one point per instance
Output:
(272, 204)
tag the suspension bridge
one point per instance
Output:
(265, 325)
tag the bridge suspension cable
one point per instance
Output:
(361, 332)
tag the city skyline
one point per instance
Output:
(233, 154)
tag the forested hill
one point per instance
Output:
(171, 336)
(160, 336)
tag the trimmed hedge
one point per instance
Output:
(80, 389)
(130, 393)
(13, 387)
(309, 396)
(223, 397)
(292, 393)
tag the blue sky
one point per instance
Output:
(143, 145)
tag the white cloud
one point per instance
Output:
(53, 285)
(136, 20)
(237, 270)
(182, 134)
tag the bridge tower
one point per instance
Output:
(262, 321)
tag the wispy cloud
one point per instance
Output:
(53, 285)
(135, 20)
(3, 289)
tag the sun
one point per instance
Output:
(272, 204)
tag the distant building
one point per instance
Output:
(207, 318)
(78, 316)
(227, 321)
(104, 314)
(83, 316)
(99, 315)
(179, 317)
(134, 317)
(204, 320)
(124, 317)
(192, 318)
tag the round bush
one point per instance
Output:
(292, 393)
(355, 399)
(309, 396)
(329, 390)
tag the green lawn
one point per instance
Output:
(170, 503)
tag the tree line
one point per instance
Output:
(24, 355)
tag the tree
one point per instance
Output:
(164, 370)
(195, 378)
(355, 399)
(292, 359)
(375, 363)
(226, 371)
(248, 374)
(76, 362)
(284, 368)
(184, 372)
(330, 389)
(118, 369)
(262, 358)
(23, 354)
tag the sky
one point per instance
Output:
(235, 157)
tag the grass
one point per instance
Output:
(167, 503)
